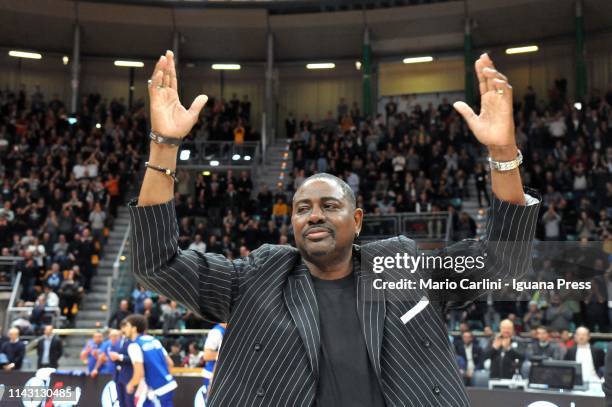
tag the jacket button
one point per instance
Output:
(436, 389)
(260, 392)
(257, 347)
(426, 343)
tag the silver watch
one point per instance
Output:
(159, 139)
(506, 165)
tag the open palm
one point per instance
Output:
(494, 127)
(169, 117)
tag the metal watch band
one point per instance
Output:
(506, 165)
(166, 171)
(159, 139)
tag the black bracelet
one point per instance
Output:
(166, 171)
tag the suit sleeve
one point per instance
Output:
(505, 250)
(607, 385)
(207, 284)
(60, 348)
(19, 356)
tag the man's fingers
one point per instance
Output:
(172, 70)
(488, 60)
(491, 73)
(503, 86)
(487, 63)
(482, 82)
(467, 112)
(166, 80)
(156, 82)
(197, 105)
(158, 66)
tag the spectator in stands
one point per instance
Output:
(280, 211)
(171, 315)
(3, 339)
(97, 219)
(60, 251)
(198, 244)
(505, 358)
(91, 350)
(290, 125)
(39, 317)
(70, 292)
(485, 339)
(138, 297)
(49, 349)
(151, 314)
(470, 351)
(534, 316)
(53, 277)
(176, 354)
(557, 315)
(543, 347)
(590, 358)
(51, 298)
(14, 350)
(481, 184)
(465, 227)
(194, 357)
(120, 314)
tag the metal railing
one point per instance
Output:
(219, 155)
(7, 267)
(13, 311)
(121, 277)
(427, 226)
(15, 293)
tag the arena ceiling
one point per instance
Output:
(133, 29)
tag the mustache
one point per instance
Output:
(330, 229)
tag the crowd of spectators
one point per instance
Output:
(506, 355)
(63, 177)
(62, 183)
(400, 161)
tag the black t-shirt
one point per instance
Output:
(346, 375)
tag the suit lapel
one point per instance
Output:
(302, 304)
(371, 309)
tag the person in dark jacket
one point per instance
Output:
(505, 357)
(117, 317)
(123, 368)
(49, 349)
(14, 350)
(590, 357)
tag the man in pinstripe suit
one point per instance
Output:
(306, 325)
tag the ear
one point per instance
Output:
(358, 217)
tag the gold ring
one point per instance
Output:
(159, 86)
(499, 91)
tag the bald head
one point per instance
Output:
(13, 334)
(582, 335)
(506, 328)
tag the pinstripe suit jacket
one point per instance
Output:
(270, 353)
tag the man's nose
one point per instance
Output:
(316, 215)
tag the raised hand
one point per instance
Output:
(168, 116)
(494, 127)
